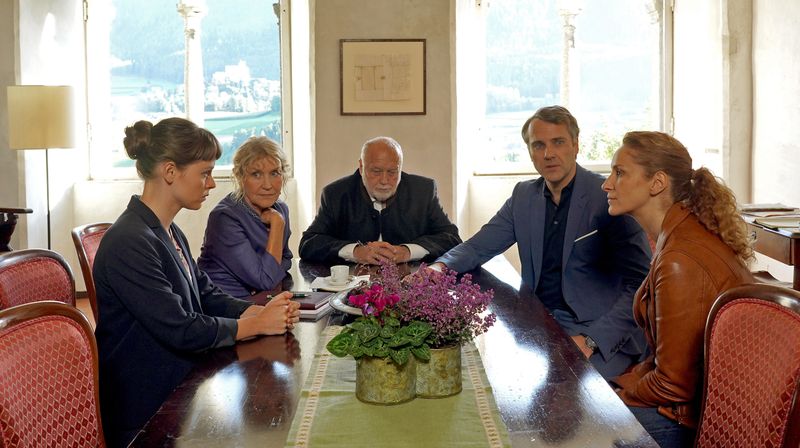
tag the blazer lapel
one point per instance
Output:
(189, 278)
(575, 217)
(165, 238)
(138, 207)
(537, 232)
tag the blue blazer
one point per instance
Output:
(601, 271)
(154, 318)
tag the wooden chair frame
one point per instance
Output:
(78, 234)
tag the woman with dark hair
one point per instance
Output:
(245, 249)
(157, 311)
(702, 249)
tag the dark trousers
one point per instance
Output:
(666, 432)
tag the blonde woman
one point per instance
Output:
(701, 250)
(245, 249)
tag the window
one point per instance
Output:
(137, 64)
(599, 58)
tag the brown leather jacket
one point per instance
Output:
(690, 268)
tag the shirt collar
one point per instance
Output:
(566, 192)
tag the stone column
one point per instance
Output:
(570, 69)
(193, 12)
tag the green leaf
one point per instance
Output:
(368, 332)
(418, 330)
(380, 350)
(423, 353)
(357, 351)
(399, 339)
(340, 344)
(387, 332)
(400, 357)
(391, 321)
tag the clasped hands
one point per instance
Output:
(377, 252)
(276, 317)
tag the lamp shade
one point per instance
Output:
(40, 117)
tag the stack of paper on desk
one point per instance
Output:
(766, 210)
(780, 222)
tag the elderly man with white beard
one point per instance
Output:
(379, 214)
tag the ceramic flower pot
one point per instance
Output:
(381, 381)
(441, 376)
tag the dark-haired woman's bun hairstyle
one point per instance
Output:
(137, 138)
(175, 139)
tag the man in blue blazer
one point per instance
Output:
(582, 263)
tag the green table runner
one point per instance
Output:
(330, 415)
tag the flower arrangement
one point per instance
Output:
(380, 332)
(454, 308)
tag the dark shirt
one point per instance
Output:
(555, 223)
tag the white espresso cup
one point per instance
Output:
(340, 274)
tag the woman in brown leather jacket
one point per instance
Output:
(701, 250)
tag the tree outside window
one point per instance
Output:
(599, 58)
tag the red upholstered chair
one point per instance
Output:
(752, 369)
(87, 240)
(48, 378)
(33, 275)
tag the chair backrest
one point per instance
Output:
(48, 377)
(752, 369)
(33, 275)
(87, 240)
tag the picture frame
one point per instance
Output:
(382, 76)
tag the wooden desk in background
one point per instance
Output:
(548, 394)
(780, 244)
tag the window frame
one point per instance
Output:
(665, 121)
(111, 173)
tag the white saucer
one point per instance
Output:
(324, 284)
(337, 285)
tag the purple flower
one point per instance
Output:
(457, 310)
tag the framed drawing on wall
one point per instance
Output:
(382, 76)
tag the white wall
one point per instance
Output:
(776, 89)
(426, 139)
(776, 80)
(9, 167)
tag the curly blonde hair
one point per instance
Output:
(705, 195)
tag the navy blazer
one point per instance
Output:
(600, 271)
(153, 319)
(346, 215)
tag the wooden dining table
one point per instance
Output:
(547, 393)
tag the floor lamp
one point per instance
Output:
(40, 117)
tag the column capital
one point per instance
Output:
(192, 8)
